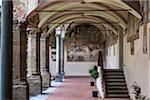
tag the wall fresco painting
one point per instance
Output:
(82, 54)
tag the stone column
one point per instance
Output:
(33, 61)
(6, 51)
(47, 60)
(20, 85)
(44, 59)
(62, 54)
(58, 77)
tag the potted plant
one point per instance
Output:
(137, 92)
(94, 74)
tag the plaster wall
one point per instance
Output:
(112, 58)
(148, 31)
(52, 64)
(72, 68)
(136, 66)
(31, 5)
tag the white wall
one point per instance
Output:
(52, 64)
(136, 66)
(148, 31)
(77, 68)
(112, 59)
(72, 68)
(31, 5)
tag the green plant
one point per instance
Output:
(137, 92)
(94, 73)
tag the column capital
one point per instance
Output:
(33, 31)
(43, 39)
(58, 35)
(34, 21)
(20, 25)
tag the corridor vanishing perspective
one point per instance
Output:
(72, 44)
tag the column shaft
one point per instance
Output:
(6, 51)
(62, 58)
(20, 85)
(34, 77)
(44, 55)
(58, 77)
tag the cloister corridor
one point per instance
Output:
(56, 49)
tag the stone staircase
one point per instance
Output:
(115, 84)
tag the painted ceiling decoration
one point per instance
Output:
(84, 35)
(55, 13)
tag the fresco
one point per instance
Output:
(82, 54)
(83, 43)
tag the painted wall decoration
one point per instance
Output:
(82, 53)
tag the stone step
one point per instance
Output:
(116, 88)
(113, 70)
(114, 73)
(117, 92)
(117, 96)
(115, 84)
(114, 77)
(115, 80)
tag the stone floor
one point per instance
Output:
(75, 88)
(45, 93)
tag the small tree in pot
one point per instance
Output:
(94, 74)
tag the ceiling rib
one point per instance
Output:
(85, 10)
(79, 23)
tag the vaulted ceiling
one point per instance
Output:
(102, 13)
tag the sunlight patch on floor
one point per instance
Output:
(45, 93)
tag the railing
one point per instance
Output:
(101, 80)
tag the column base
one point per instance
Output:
(46, 79)
(63, 75)
(58, 78)
(35, 85)
(21, 91)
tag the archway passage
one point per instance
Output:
(101, 23)
(55, 29)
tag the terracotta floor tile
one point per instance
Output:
(75, 88)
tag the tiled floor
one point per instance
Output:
(75, 88)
